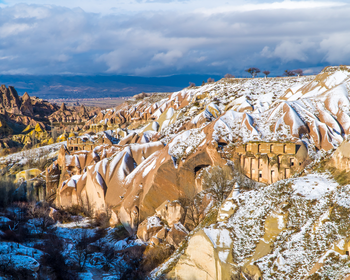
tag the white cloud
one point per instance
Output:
(336, 47)
(11, 29)
(169, 57)
(10, 57)
(49, 39)
(284, 5)
(288, 50)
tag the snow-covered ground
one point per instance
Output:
(22, 158)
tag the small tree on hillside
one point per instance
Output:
(266, 73)
(253, 71)
(298, 72)
(228, 76)
(210, 80)
(218, 181)
(289, 73)
(82, 254)
(192, 85)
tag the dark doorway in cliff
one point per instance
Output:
(221, 145)
(199, 168)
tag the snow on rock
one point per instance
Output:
(185, 143)
(153, 221)
(20, 262)
(220, 238)
(120, 245)
(19, 249)
(313, 186)
(151, 166)
(336, 78)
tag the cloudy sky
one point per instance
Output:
(166, 37)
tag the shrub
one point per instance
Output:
(102, 219)
(131, 266)
(8, 193)
(118, 233)
(192, 85)
(218, 181)
(40, 212)
(155, 255)
(229, 76)
(54, 247)
(210, 80)
(63, 216)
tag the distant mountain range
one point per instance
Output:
(73, 86)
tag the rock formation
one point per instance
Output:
(245, 178)
(19, 115)
(9, 100)
(72, 115)
(131, 181)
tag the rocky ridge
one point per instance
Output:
(28, 121)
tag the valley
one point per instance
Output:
(234, 179)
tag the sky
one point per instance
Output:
(155, 38)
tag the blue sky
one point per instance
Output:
(165, 37)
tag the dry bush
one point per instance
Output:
(210, 80)
(8, 192)
(101, 220)
(229, 76)
(40, 212)
(119, 232)
(240, 275)
(69, 214)
(342, 177)
(54, 247)
(192, 85)
(194, 210)
(82, 254)
(131, 266)
(218, 181)
(40, 161)
(153, 256)
(63, 216)
(16, 233)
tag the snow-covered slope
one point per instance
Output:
(268, 130)
(293, 229)
(312, 108)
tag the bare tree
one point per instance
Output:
(288, 73)
(218, 181)
(192, 85)
(40, 212)
(253, 71)
(194, 210)
(229, 76)
(299, 72)
(210, 80)
(82, 254)
(54, 246)
(266, 73)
